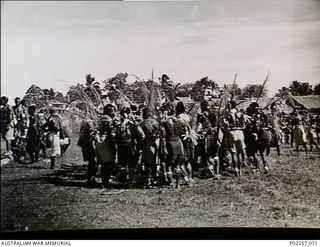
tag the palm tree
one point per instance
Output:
(89, 80)
(300, 88)
(46, 93)
(52, 93)
(200, 86)
(282, 92)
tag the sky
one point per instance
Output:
(55, 44)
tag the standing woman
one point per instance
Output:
(53, 125)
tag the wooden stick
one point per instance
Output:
(234, 83)
(263, 84)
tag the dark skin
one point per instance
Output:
(4, 101)
(34, 154)
(52, 158)
(24, 103)
(17, 102)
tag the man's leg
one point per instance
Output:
(106, 174)
(52, 159)
(91, 172)
(177, 171)
(184, 172)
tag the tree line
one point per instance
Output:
(139, 91)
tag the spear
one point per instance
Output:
(152, 75)
(233, 87)
(263, 84)
(223, 97)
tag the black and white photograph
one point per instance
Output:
(160, 115)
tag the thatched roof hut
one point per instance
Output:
(185, 100)
(263, 103)
(309, 102)
(57, 104)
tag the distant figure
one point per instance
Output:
(53, 125)
(312, 134)
(85, 141)
(299, 133)
(20, 117)
(7, 124)
(33, 135)
(188, 147)
(42, 132)
(174, 147)
(128, 144)
(150, 129)
(105, 144)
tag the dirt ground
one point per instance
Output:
(35, 198)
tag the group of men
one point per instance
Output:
(26, 131)
(140, 146)
(139, 143)
(164, 146)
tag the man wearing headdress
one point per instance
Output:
(232, 113)
(207, 128)
(252, 109)
(128, 140)
(174, 147)
(188, 146)
(202, 117)
(105, 145)
(137, 136)
(150, 128)
(85, 141)
(256, 114)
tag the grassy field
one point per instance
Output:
(35, 198)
